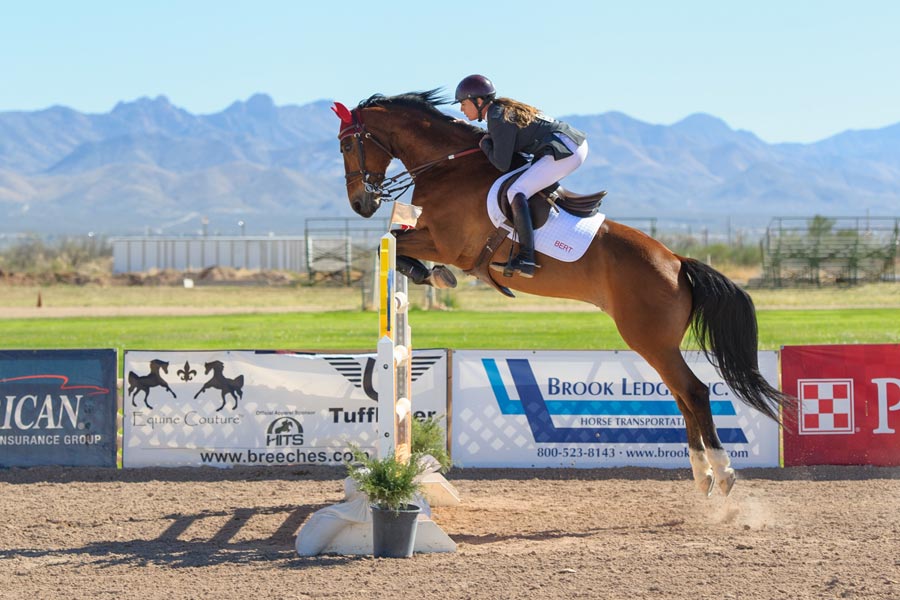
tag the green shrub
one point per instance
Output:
(428, 437)
(388, 483)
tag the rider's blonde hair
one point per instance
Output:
(517, 113)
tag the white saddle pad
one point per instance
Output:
(564, 236)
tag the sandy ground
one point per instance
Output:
(824, 532)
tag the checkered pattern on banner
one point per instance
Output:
(826, 406)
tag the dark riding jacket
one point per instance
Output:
(538, 139)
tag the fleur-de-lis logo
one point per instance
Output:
(187, 373)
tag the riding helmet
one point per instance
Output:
(475, 86)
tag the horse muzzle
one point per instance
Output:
(365, 203)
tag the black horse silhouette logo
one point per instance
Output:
(143, 383)
(226, 385)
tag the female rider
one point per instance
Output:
(558, 149)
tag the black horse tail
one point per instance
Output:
(723, 322)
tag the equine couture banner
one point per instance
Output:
(849, 404)
(260, 408)
(58, 407)
(592, 409)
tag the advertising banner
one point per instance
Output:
(225, 408)
(591, 409)
(849, 404)
(58, 407)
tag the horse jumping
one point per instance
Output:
(652, 294)
(143, 383)
(220, 382)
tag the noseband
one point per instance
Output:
(387, 189)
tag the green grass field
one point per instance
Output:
(330, 319)
(463, 329)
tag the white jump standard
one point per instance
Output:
(346, 528)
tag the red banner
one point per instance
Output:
(849, 404)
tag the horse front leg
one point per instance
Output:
(415, 244)
(439, 277)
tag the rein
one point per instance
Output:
(391, 188)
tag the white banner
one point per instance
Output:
(225, 408)
(592, 409)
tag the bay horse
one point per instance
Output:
(652, 294)
(143, 383)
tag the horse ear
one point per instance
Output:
(342, 112)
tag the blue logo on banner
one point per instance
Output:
(538, 411)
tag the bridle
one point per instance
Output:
(377, 184)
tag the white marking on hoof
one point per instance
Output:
(724, 473)
(704, 478)
(726, 482)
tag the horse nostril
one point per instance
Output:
(356, 207)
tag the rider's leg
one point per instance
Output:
(523, 263)
(543, 173)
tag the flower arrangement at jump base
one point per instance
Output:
(391, 486)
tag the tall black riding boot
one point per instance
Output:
(523, 262)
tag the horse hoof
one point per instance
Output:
(442, 278)
(727, 484)
(707, 484)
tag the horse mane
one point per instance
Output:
(426, 101)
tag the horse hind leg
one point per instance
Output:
(695, 399)
(718, 457)
(702, 470)
(709, 461)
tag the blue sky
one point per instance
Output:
(788, 70)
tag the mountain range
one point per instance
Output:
(150, 166)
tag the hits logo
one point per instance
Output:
(284, 431)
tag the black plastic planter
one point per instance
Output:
(394, 532)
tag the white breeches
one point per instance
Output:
(546, 171)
